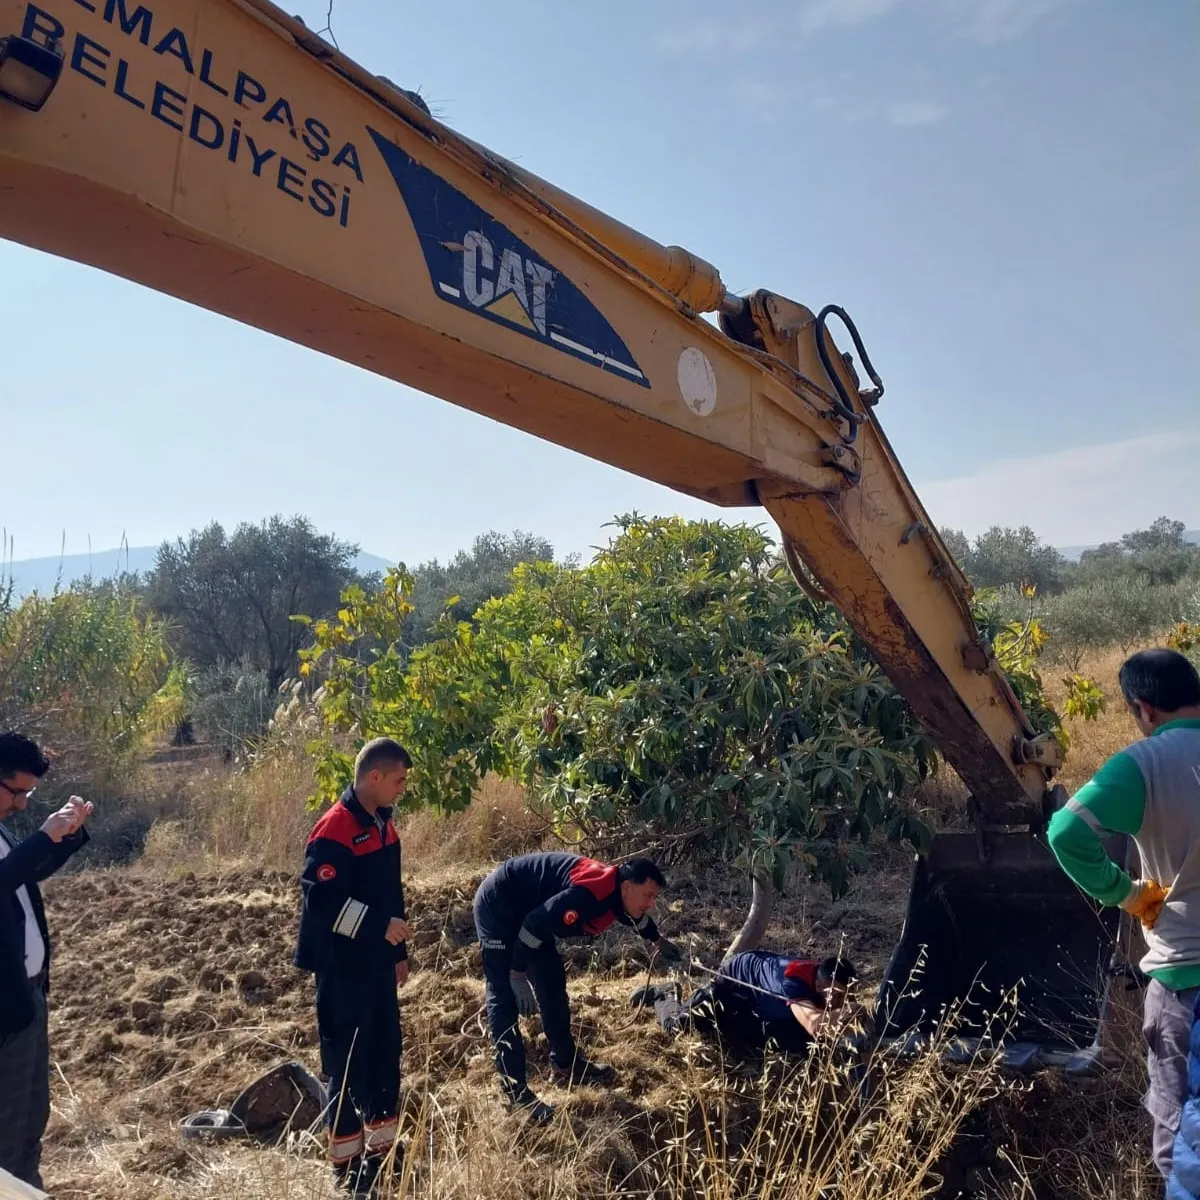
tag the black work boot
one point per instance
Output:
(582, 1071)
(356, 1178)
(388, 1166)
(537, 1112)
(368, 1173)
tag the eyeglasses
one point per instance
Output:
(17, 793)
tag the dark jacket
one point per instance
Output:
(776, 981)
(30, 861)
(351, 888)
(557, 895)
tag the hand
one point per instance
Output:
(67, 819)
(402, 972)
(1145, 901)
(397, 931)
(667, 950)
(523, 990)
(83, 809)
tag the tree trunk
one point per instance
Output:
(762, 902)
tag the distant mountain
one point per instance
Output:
(1074, 552)
(41, 574)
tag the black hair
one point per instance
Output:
(20, 754)
(1161, 678)
(837, 970)
(381, 754)
(639, 870)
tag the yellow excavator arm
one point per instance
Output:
(219, 151)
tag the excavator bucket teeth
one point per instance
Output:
(1002, 955)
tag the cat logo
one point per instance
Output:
(504, 293)
(480, 265)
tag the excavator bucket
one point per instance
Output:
(1000, 954)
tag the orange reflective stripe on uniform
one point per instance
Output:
(343, 1149)
(381, 1134)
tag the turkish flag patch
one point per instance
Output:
(570, 917)
(325, 872)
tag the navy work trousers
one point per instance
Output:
(497, 926)
(358, 1020)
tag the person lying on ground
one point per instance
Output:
(759, 998)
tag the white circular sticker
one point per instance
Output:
(697, 382)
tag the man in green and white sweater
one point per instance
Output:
(1151, 791)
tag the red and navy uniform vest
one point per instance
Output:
(786, 980)
(351, 888)
(560, 895)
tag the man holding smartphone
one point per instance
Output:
(25, 953)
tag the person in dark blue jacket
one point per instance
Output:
(1184, 1180)
(353, 937)
(759, 998)
(520, 909)
(25, 954)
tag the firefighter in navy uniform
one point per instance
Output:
(520, 909)
(353, 935)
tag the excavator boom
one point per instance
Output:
(219, 151)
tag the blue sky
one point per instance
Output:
(1003, 193)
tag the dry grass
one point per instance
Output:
(175, 994)
(221, 819)
(497, 824)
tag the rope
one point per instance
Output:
(739, 983)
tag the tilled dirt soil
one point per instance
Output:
(170, 995)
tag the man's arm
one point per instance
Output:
(58, 853)
(808, 1015)
(562, 914)
(326, 865)
(665, 949)
(43, 852)
(646, 927)
(1112, 801)
(23, 862)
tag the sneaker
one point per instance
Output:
(537, 1112)
(583, 1071)
(649, 995)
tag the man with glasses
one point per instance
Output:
(25, 954)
